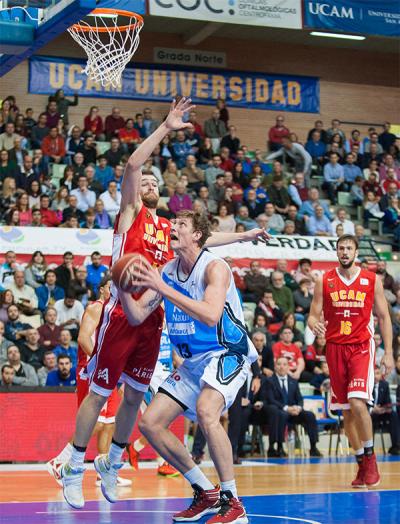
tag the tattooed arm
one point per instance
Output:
(137, 311)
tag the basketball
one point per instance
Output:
(121, 272)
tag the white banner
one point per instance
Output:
(269, 13)
(167, 55)
(55, 241)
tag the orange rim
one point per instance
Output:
(105, 11)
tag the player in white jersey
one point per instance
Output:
(206, 324)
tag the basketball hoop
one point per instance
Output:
(109, 40)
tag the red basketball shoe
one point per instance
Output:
(133, 456)
(166, 470)
(359, 481)
(231, 511)
(204, 502)
(371, 473)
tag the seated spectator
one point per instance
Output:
(7, 376)
(209, 206)
(24, 374)
(96, 271)
(213, 170)
(49, 364)
(394, 377)
(308, 207)
(4, 343)
(299, 222)
(242, 217)
(53, 147)
(8, 168)
(35, 270)
(391, 218)
(315, 355)
(285, 347)
(24, 295)
(139, 125)
(170, 176)
(276, 133)
(93, 123)
(372, 155)
(302, 299)
(49, 331)
(282, 266)
(111, 200)
(64, 375)
(333, 177)
(231, 141)
(260, 323)
(290, 228)
(227, 163)
(79, 288)
(283, 295)
(350, 171)
(69, 313)
(263, 347)
(391, 178)
(389, 163)
(113, 123)
(181, 149)
(321, 381)
(256, 283)
(49, 217)
(382, 413)
(255, 184)
(215, 129)
(281, 398)
(25, 214)
(65, 272)
(336, 144)
(85, 197)
(319, 225)
(65, 347)
(289, 320)
(373, 141)
(253, 204)
(372, 168)
(386, 138)
(354, 140)
(74, 141)
(316, 147)
(277, 170)
(388, 281)
(392, 191)
(217, 189)
(52, 114)
(275, 221)
(356, 191)
(279, 196)
(89, 150)
(72, 210)
(31, 351)
(294, 152)
(7, 138)
(104, 173)
(335, 129)
(149, 123)
(115, 153)
(103, 219)
(318, 126)
(49, 292)
(39, 131)
(129, 136)
(11, 218)
(226, 222)
(371, 207)
(372, 185)
(17, 153)
(297, 190)
(180, 200)
(348, 225)
(36, 219)
(193, 120)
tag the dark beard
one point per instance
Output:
(347, 265)
(150, 200)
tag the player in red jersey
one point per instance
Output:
(346, 296)
(105, 423)
(123, 352)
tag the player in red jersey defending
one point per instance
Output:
(346, 296)
(123, 352)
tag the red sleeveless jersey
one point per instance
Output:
(146, 236)
(347, 307)
(82, 357)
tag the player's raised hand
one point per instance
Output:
(146, 276)
(257, 233)
(177, 110)
(387, 364)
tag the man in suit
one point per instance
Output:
(283, 404)
(383, 414)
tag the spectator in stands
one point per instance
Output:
(8, 167)
(217, 189)
(242, 217)
(268, 307)
(394, 377)
(197, 127)
(372, 168)
(253, 204)
(255, 184)
(297, 190)
(371, 208)
(282, 294)
(7, 376)
(64, 375)
(104, 172)
(213, 170)
(282, 266)
(333, 177)
(52, 114)
(53, 147)
(39, 131)
(391, 178)
(113, 124)
(382, 413)
(289, 321)
(354, 140)
(336, 145)
(15, 329)
(29, 122)
(389, 164)
(302, 299)
(49, 217)
(24, 295)
(89, 150)
(35, 270)
(150, 167)
(49, 292)
(11, 218)
(103, 219)
(350, 171)
(93, 184)
(319, 225)
(18, 152)
(49, 331)
(348, 225)
(72, 210)
(129, 136)
(392, 191)
(149, 123)
(65, 347)
(372, 184)
(321, 381)
(334, 130)
(36, 219)
(6, 299)
(96, 271)
(373, 141)
(79, 287)
(63, 105)
(279, 196)
(139, 125)
(209, 206)
(170, 176)
(299, 222)
(318, 126)
(78, 165)
(231, 141)
(7, 138)
(391, 218)
(66, 271)
(85, 197)
(115, 153)
(316, 147)
(294, 152)
(356, 191)
(283, 405)
(215, 129)
(386, 138)
(275, 221)
(255, 283)
(69, 313)
(4, 343)
(27, 173)
(372, 155)
(263, 347)
(31, 351)
(388, 281)
(286, 347)
(93, 123)
(181, 149)
(227, 164)
(260, 323)
(49, 364)
(111, 200)
(276, 133)
(304, 271)
(24, 374)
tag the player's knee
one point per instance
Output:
(206, 416)
(98, 400)
(132, 397)
(357, 405)
(147, 425)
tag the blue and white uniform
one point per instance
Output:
(163, 367)
(216, 355)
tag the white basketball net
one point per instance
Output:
(108, 44)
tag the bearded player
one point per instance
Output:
(123, 352)
(347, 295)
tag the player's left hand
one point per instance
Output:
(258, 233)
(387, 364)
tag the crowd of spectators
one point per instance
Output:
(206, 168)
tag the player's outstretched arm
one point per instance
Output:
(222, 239)
(130, 188)
(137, 311)
(89, 324)
(210, 309)
(314, 318)
(382, 312)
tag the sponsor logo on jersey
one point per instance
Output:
(229, 367)
(364, 281)
(156, 237)
(348, 298)
(145, 373)
(357, 383)
(103, 375)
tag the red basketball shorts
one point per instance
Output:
(124, 353)
(351, 369)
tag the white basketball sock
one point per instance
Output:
(196, 476)
(65, 454)
(230, 485)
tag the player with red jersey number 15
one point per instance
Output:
(346, 296)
